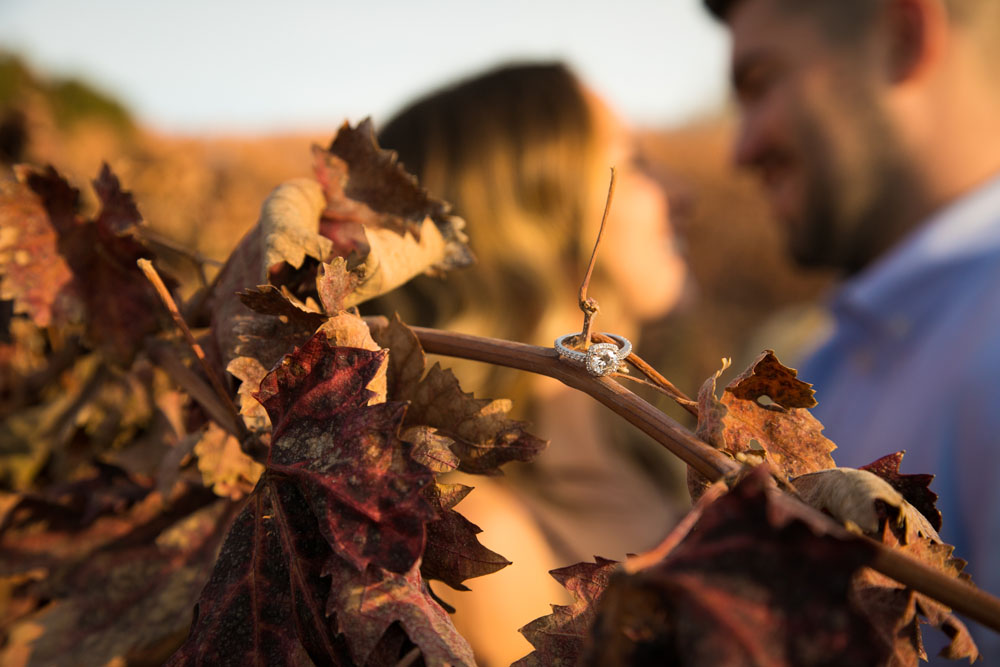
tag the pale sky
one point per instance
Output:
(236, 66)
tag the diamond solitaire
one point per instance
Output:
(600, 359)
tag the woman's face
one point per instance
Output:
(638, 251)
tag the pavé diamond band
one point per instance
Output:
(600, 358)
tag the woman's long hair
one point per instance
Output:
(515, 152)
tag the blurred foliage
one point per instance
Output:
(71, 100)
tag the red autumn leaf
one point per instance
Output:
(484, 438)
(561, 638)
(915, 488)
(346, 456)
(749, 584)
(340, 488)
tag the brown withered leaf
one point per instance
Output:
(386, 222)
(742, 587)
(431, 449)
(484, 437)
(335, 284)
(286, 235)
(364, 183)
(766, 376)
(339, 487)
(131, 603)
(453, 552)
(915, 488)
(118, 213)
(865, 500)
(561, 637)
(32, 272)
(366, 604)
(789, 438)
(101, 257)
(224, 467)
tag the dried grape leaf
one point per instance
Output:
(431, 449)
(119, 213)
(340, 496)
(366, 604)
(863, 499)
(561, 637)
(740, 588)
(484, 438)
(766, 376)
(127, 604)
(366, 184)
(453, 552)
(747, 425)
(859, 498)
(335, 284)
(345, 453)
(915, 488)
(224, 467)
(32, 272)
(100, 254)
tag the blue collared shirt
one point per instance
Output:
(914, 363)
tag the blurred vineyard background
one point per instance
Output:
(202, 193)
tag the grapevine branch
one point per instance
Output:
(959, 595)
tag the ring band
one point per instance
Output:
(600, 358)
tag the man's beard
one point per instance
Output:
(851, 212)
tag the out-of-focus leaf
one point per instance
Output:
(562, 637)
(484, 437)
(102, 257)
(228, 471)
(126, 604)
(32, 272)
(748, 584)
(863, 499)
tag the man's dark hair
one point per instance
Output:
(720, 7)
(844, 21)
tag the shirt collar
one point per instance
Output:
(966, 228)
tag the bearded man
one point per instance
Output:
(874, 126)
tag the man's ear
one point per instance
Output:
(918, 32)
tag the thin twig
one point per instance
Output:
(168, 301)
(196, 257)
(588, 305)
(963, 597)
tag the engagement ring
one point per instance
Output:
(600, 358)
